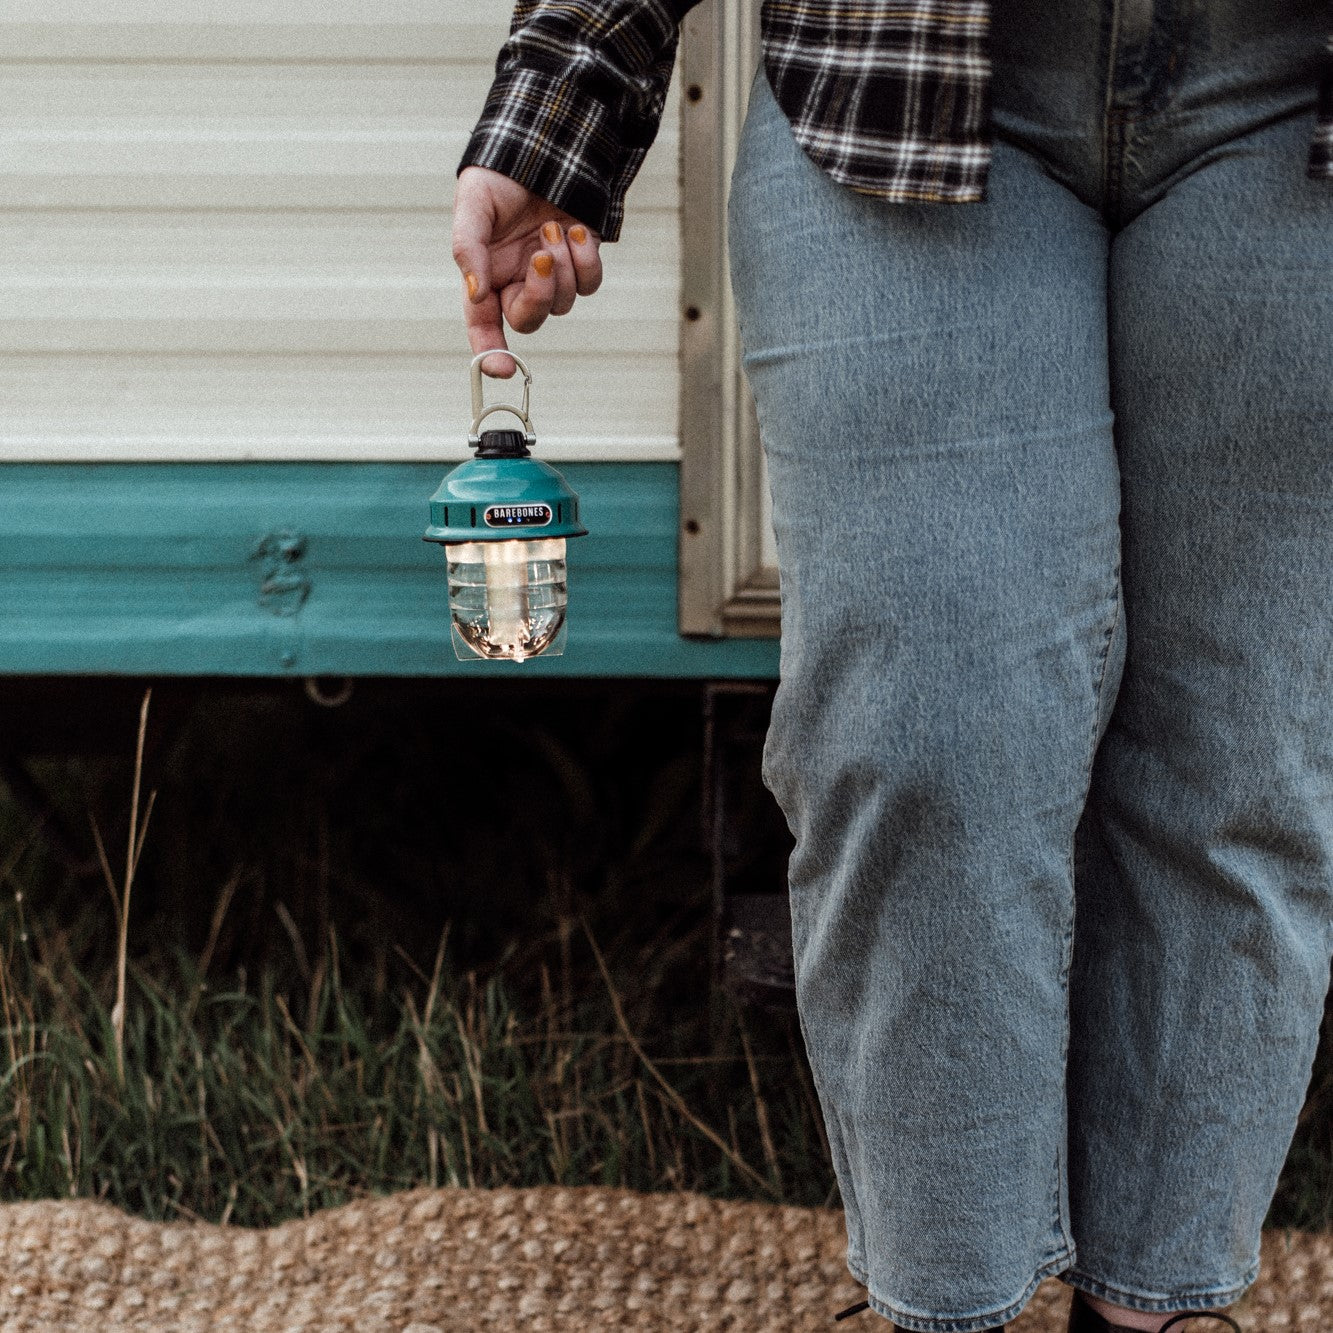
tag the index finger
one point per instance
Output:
(485, 329)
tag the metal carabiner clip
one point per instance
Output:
(480, 411)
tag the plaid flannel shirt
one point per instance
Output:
(890, 97)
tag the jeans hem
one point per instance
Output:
(1137, 1300)
(978, 1323)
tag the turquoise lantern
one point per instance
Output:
(503, 517)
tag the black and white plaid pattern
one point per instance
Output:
(890, 97)
(577, 98)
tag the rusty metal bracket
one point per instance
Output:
(748, 843)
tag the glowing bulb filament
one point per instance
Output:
(507, 597)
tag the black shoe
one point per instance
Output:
(851, 1309)
(865, 1305)
(1084, 1319)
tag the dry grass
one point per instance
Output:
(349, 967)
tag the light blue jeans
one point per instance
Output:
(1052, 483)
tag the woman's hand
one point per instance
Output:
(521, 258)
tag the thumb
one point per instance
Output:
(474, 221)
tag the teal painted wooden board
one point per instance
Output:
(179, 569)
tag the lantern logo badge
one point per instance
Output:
(518, 516)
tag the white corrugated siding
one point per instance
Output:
(224, 234)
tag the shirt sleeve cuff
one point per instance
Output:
(554, 138)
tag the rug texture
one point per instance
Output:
(454, 1260)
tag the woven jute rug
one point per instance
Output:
(453, 1260)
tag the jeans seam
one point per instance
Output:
(836, 1134)
(1112, 33)
(1108, 637)
(1099, 691)
(980, 1323)
(1133, 1300)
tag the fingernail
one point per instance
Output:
(471, 280)
(551, 232)
(544, 264)
(578, 235)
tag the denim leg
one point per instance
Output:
(933, 397)
(1205, 868)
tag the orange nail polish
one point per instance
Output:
(578, 235)
(471, 280)
(544, 264)
(552, 234)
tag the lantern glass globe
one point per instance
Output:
(507, 598)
